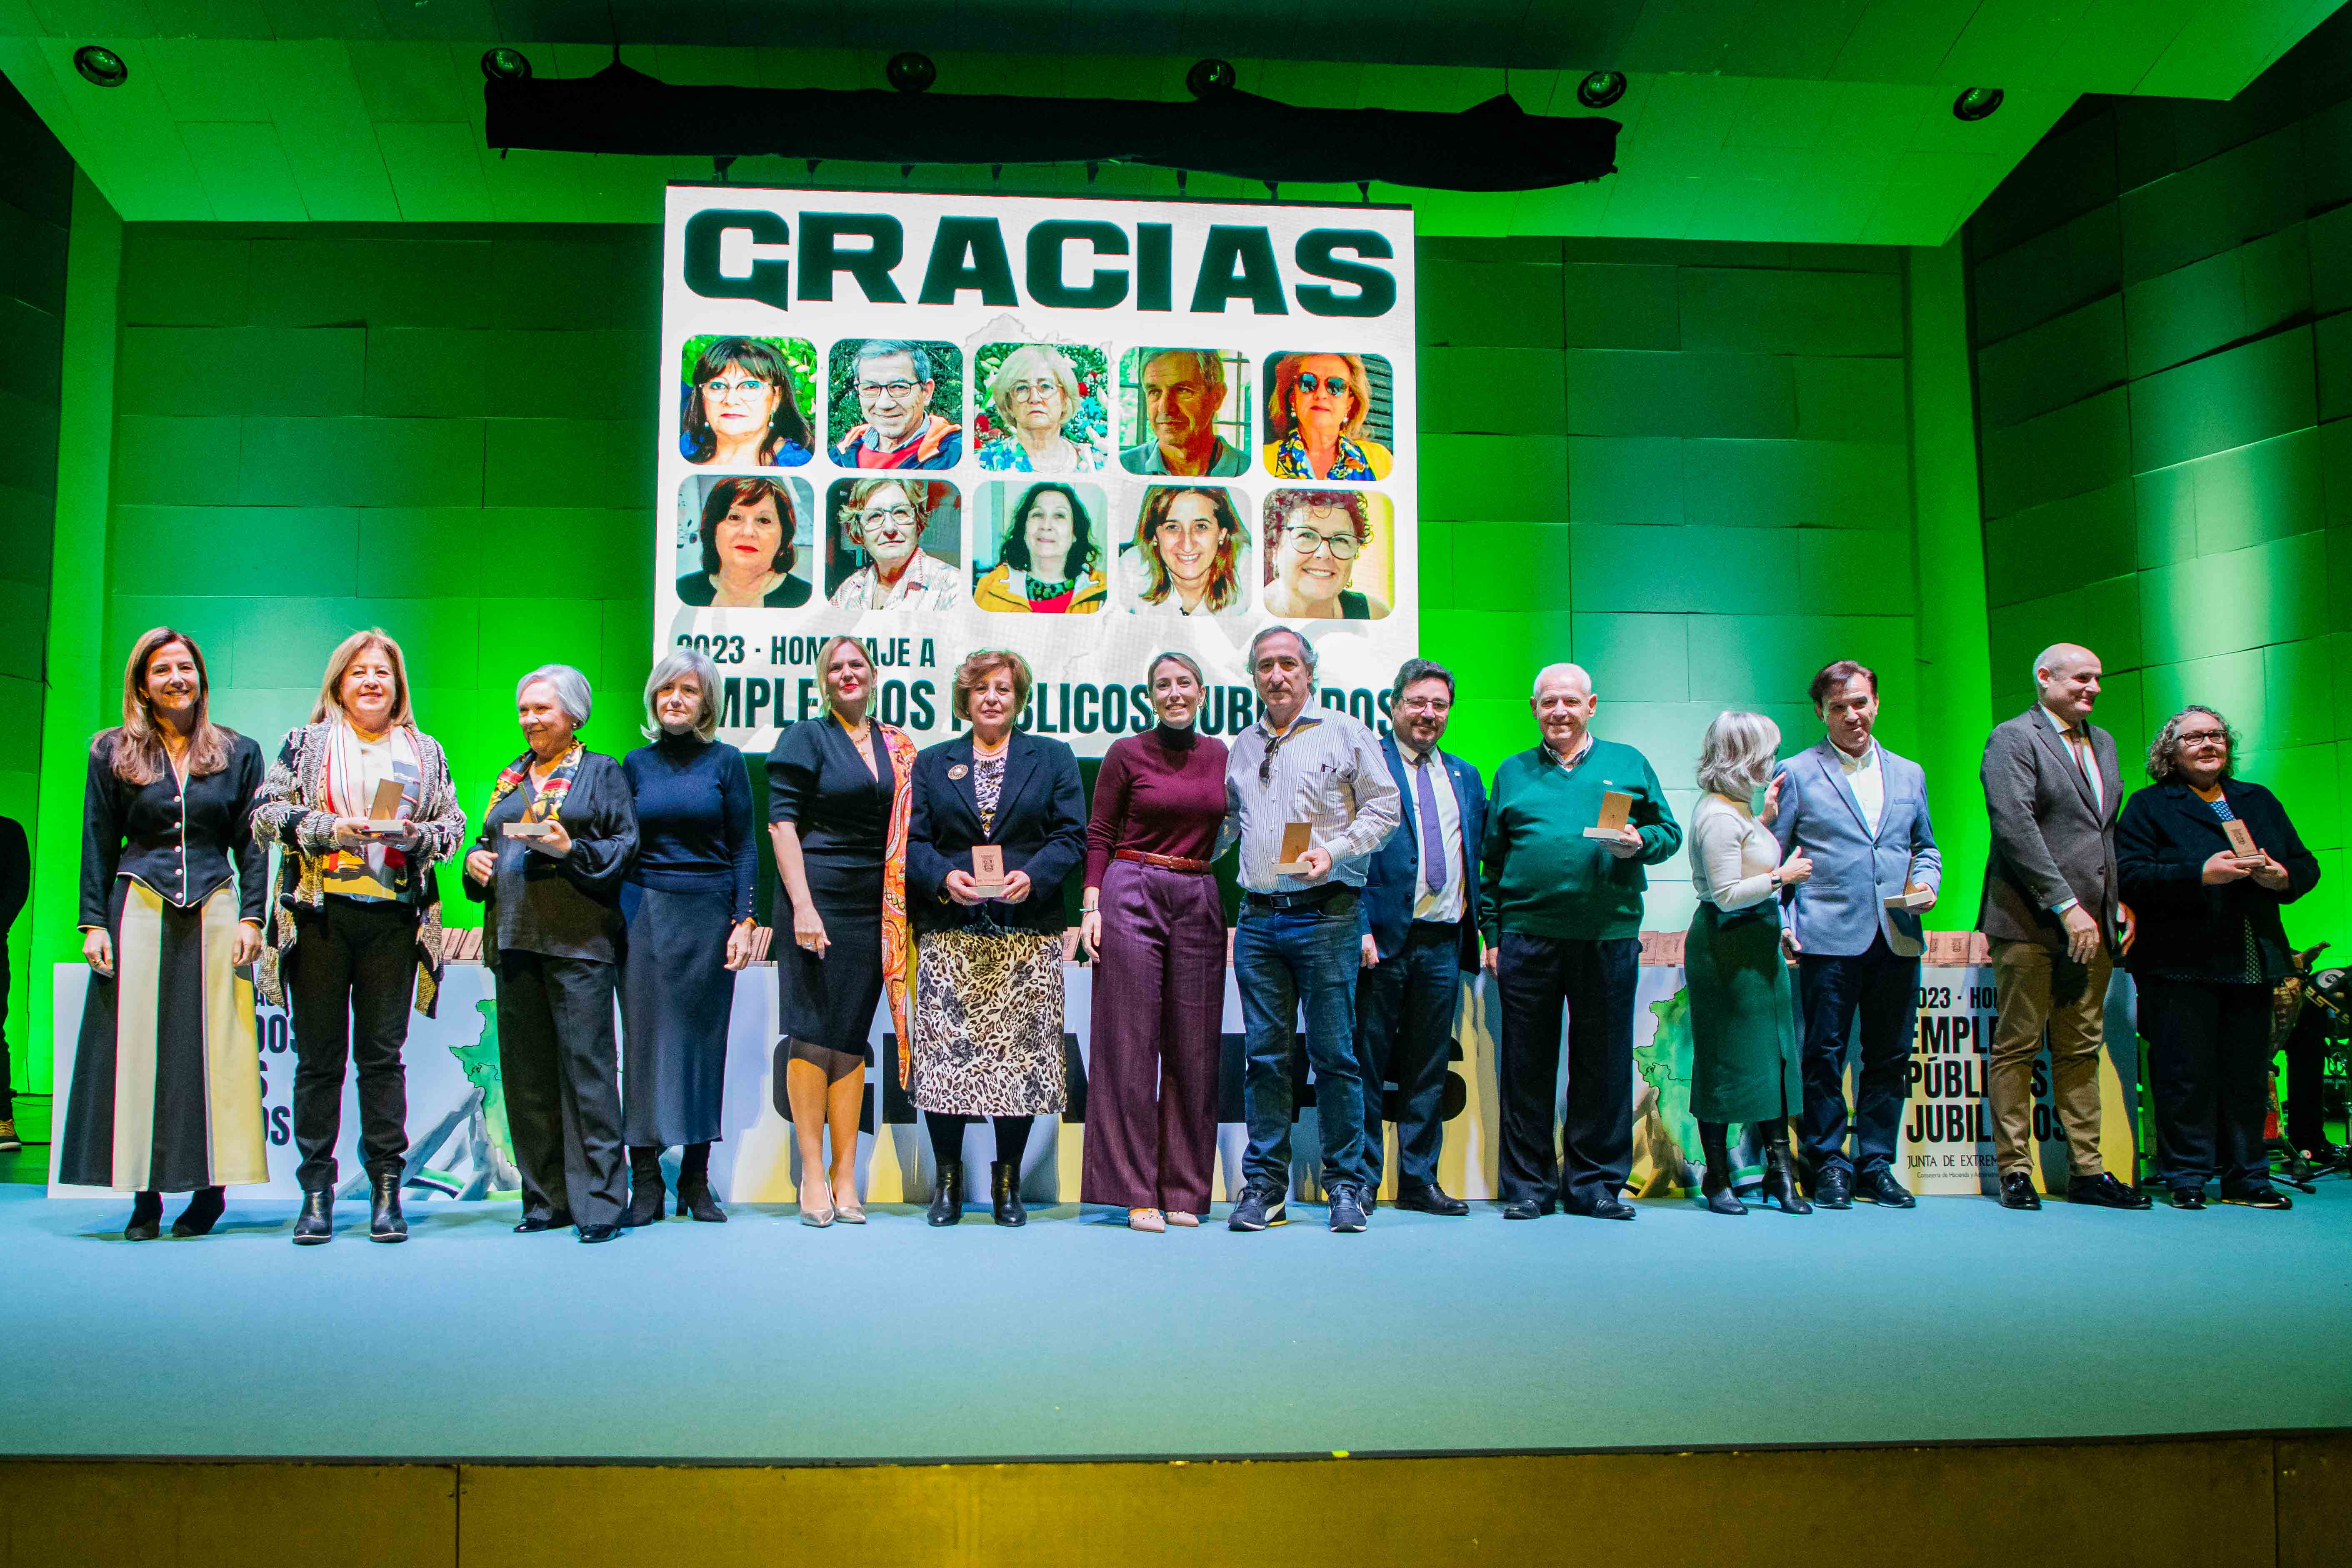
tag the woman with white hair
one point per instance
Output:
(556, 840)
(1744, 1062)
(687, 902)
(1037, 396)
(355, 937)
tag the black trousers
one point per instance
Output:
(558, 1057)
(8, 1090)
(1596, 979)
(1882, 990)
(2209, 1052)
(2306, 1067)
(349, 986)
(1405, 1031)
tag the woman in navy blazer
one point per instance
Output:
(987, 966)
(2209, 951)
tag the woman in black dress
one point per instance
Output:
(688, 904)
(839, 798)
(553, 935)
(2209, 953)
(166, 1094)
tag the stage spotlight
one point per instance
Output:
(1976, 103)
(1600, 89)
(503, 64)
(911, 72)
(1207, 78)
(100, 66)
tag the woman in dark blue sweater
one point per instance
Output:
(688, 904)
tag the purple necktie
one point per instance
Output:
(1433, 838)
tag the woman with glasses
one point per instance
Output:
(1188, 547)
(738, 410)
(1312, 541)
(885, 519)
(747, 549)
(1038, 401)
(1048, 565)
(840, 797)
(1315, 418)
(2206, 861)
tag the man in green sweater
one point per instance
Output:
(1562, 914)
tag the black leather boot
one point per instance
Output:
(1004, 1192)
(315, 1225)
(646, 1191)
(203, 1211)
(146, 1222)
(694, 1197)
(1715, 1184)
(385, 1222)
(946, 1194)
(1779, 1181)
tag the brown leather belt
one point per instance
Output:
(1167, 862)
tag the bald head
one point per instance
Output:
(2066, 677)
(1563, 704)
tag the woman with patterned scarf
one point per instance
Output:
(840, 795)
(1315, 420)
(360, 800)
(554, 847)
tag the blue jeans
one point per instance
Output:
(1882, 989)
(1284, 959)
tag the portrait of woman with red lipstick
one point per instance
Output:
(749, 532)
(744, 403)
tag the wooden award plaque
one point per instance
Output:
(988, 870)
(2242, 840)
(1615, 806)
(1912, 897)
(1297, 838)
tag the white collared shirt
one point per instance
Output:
(1867, 780)
(1446, 903)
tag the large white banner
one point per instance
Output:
(1086, 430)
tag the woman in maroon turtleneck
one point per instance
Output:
(1153, 922)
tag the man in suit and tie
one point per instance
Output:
(1861, 813)
(2053, 911)
(1420, 935)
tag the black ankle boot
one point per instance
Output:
(1780, 1183)
(946, 1194)
(315, 1225)
(646, 1191)
(203, 1211)
(1004, 1192)
(1715, 1184)
(146, 1221)
(385, 1222)
(694, 1197)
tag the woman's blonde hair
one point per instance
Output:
(339, 664)
(999, 385)
(139, 754)
(1282, 417)
(1737, 754)
(826, 649)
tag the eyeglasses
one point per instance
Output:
(750, 386)
(2199, 737)
(1336, 385)
(1306, 542)
(876, 516)
(890, 389)
(1024, 391)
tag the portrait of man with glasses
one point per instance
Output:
(883, 395)
(1316, 542)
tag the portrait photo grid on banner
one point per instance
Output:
(1085, 430)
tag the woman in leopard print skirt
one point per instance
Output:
(988, 969)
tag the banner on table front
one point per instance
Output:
(458, 1145)
(1084, 430)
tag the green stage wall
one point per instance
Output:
(2162, 301)
(1687, 465)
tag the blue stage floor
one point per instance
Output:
(765, 1339)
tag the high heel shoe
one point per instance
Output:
(1714, 1181)
(1004, 1192)
(203, 1211)
(146, 1222)
(1780, 1183)
(695, 1202)
(646, 1190)
(847, 1206)
(946, 1195)
(816, 1203)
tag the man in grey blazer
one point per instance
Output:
(2054, 912)
(1861, 813)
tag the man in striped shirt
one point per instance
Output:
(1298, 940)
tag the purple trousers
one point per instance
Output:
(1151, 1069)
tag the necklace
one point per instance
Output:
(978, 749)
